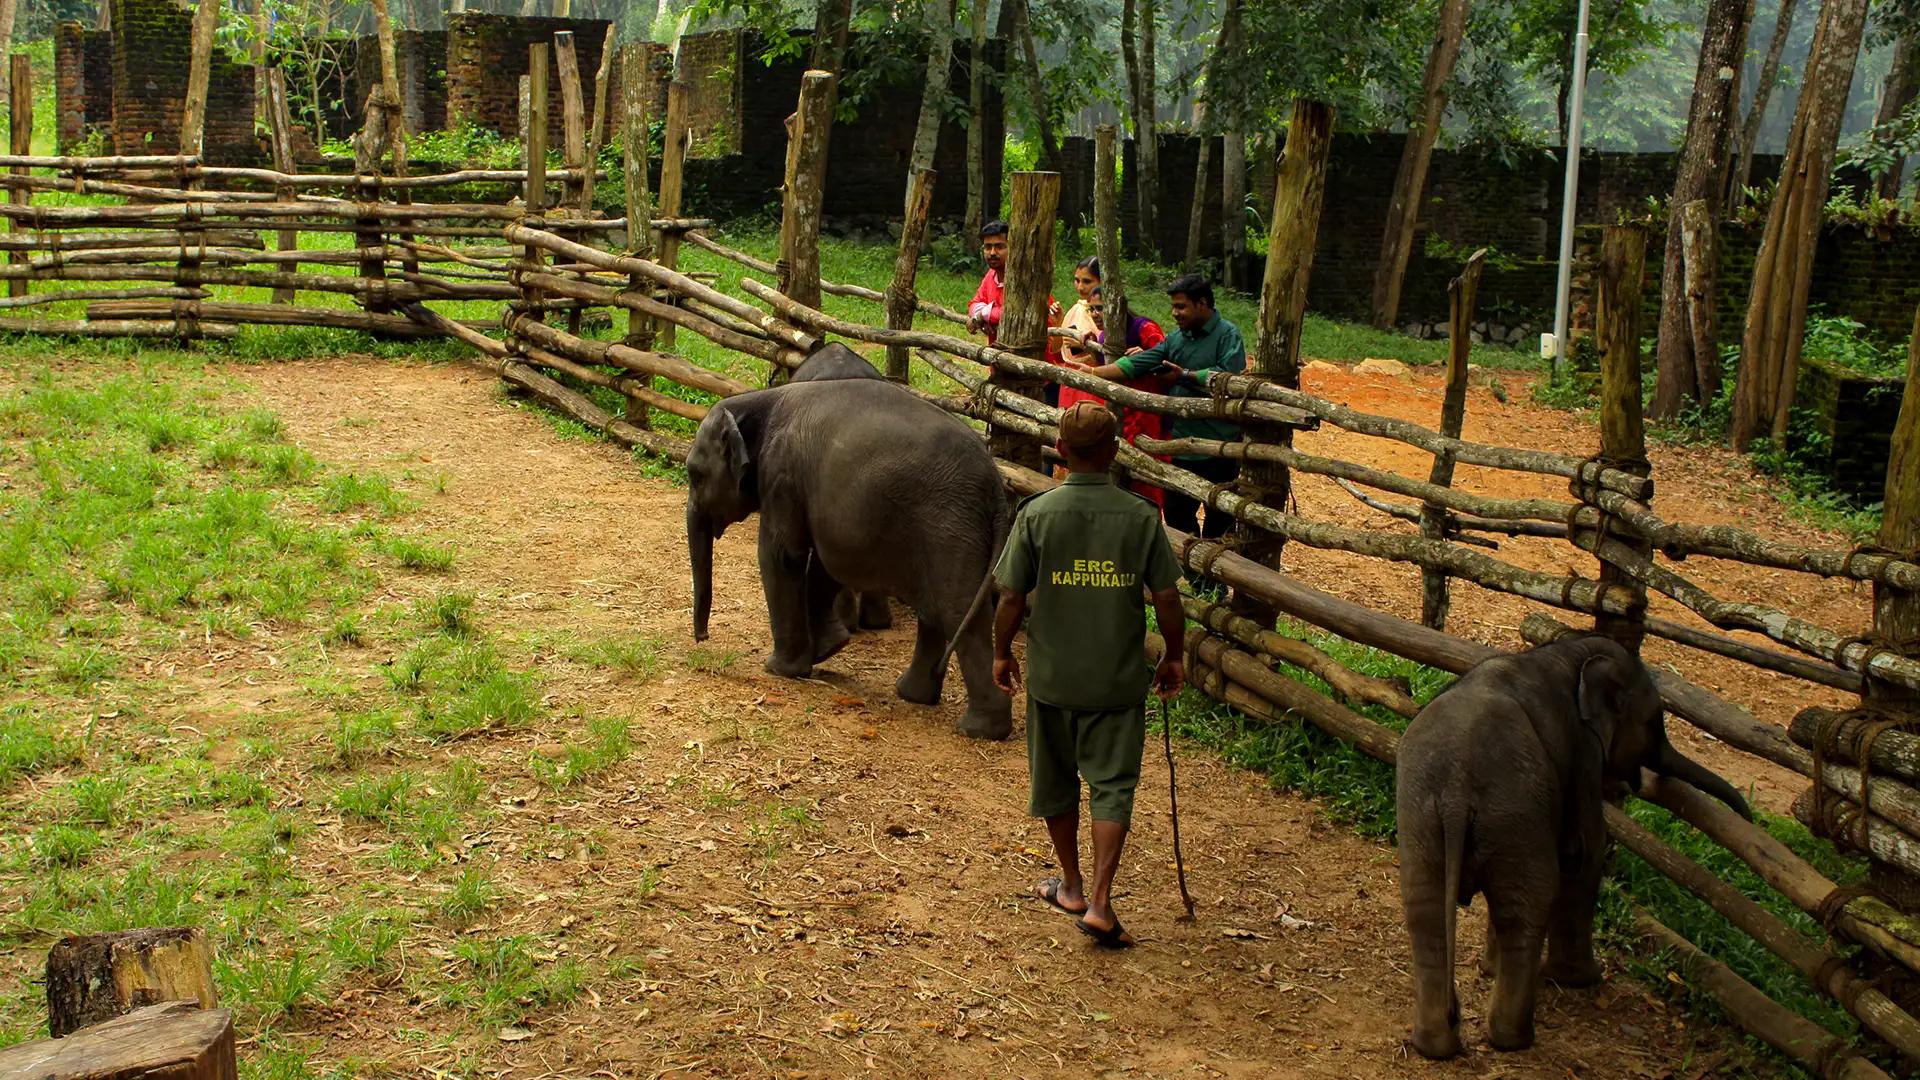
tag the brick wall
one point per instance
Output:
(152, 45)
(866, 159)
(82, 81)
(487, 54)
(421, 56)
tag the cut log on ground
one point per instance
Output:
(174, 1041)
(97, 977)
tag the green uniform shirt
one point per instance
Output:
(1214, 347)
(1084, 550)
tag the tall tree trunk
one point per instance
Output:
(1036, 85)
(1233, 204)
(926, 137)
(262, 109)
(1783, 270)
(1202, 186)
(1896, 93)
(976, 124)
(1403, 208)
(1757, 115)
(8, 8)
(1233, 167)
(1146, 146)
(1685, 374)
(832, 19)
(1130, 60)
(1204, 111)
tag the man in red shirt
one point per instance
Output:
(983, 314)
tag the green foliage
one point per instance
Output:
(466, 146)
(1845, 343)
(508, 979)
(607, 746)
(637, 655)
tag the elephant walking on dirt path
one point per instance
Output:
(859, 485)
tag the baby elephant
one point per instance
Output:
(1501, 786)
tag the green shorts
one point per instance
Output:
(1101, 745)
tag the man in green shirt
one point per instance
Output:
(1084, 551)
(1205, 342)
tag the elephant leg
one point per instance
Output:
(989, 712)
(846, 609)
(828, 630)
(1424, 899)
(921, 682)
(783, 576)
(1519, 913)
(1570, 961)
(875, 614)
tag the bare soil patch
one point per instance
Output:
(814, 879)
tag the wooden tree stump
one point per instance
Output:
(173, 1041)
(97, 977)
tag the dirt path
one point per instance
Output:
(813, 879)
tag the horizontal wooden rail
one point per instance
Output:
(834, 288)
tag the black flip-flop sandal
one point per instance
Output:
(1113, 937)
(1050, 892)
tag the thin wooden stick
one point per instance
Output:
(1453, 414)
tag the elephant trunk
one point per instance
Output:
(700, 551)
(1671, 762)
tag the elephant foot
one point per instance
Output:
(1511, 1037)
(918, 689)
(994, 722)
(875, 614)
(1437, 1045)
(1576, 975)
(788, 667)
(829, 640)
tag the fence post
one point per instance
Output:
(1035, 199)
(1106, 239)
(573, 109)
(598, 122)
(901, 298)
(803, 189)
(635, 135)
(1896, 612)
(19, 141)
(535, 198)
(193, 114)
(1623, 437)
(1299, 192)
(1453, 414)
(280, 129)
(673, 164)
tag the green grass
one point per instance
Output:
(159, 539)
(607, 745)
(633, 655)
(1359, 791)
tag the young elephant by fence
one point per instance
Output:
(857, 485)
(1501, 785)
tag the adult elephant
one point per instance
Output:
(862, 486)
(835, 363)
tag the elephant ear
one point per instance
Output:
(734, 449)
(1583, 826)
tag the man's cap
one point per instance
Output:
(1088, 425)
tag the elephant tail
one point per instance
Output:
(1453, 832)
